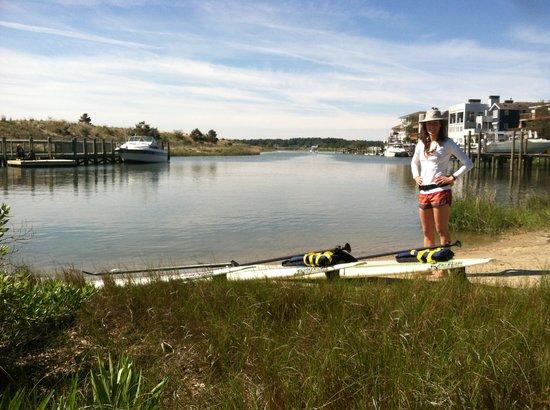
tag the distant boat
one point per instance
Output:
(142, 149)
(314, 148)
(396, 150)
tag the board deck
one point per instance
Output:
(361, 269)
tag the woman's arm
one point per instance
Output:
(466, 162)
(415, 164)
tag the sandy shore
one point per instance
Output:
(520, 259)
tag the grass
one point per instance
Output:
(485, 215)
(332, 344)
(223, 148)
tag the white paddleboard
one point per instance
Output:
(361, 269)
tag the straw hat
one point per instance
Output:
(433, 114)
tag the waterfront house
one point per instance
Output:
(408, 128)
(506, 115)
(463, 118)
(536, 120)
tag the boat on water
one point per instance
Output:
(502, 143)
(142, 149)
(396, 150)
(314, 149)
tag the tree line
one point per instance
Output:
(306, 143)
(144, 129)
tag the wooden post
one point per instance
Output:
(85, 143)
(113, 151)
(468, 148)
(103, 151)
(95, 151)
(50, 156)
(478, 158)
(4, 151)
(75, 153)
(168, 143)
(520, 155)
(512, 152)
(31, 144)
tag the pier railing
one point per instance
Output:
(83, 152)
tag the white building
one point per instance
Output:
(462, 118)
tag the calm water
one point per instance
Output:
(221, 208)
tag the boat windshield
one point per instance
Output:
(142, 138)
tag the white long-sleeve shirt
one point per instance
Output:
(432, 166)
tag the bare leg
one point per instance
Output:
(428, 226)
(441, 217)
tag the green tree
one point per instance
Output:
(142, 128)
(196, 135)
(85, 119)
(212, 136)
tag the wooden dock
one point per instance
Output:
(88, 151)
(41, 163)
(518, 159)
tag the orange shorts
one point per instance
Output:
(435, 200)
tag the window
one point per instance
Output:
(460, 117)
(452, 118)
(505, 126)
(506, 112)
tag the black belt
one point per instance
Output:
(431, 186)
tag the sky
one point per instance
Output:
(267, 69)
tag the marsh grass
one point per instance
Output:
(220, 149)
(485, 215)
(335, 344)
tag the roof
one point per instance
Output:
(516, 105)
(411, 114)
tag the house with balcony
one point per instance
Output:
(506, 115)
(408, 128)
(462, 119)
(536, 120)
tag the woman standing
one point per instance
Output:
(430, 165)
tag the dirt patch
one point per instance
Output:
(520, 259)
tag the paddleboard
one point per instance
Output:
(360, 269)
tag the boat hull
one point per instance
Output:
(534, 146)
(143, 155)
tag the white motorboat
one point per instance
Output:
(530, 146)
(396, 150)
(142, 149)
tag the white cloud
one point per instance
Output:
(72, 34)
(532, 35)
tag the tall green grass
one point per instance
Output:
(485, 215)
(113, 385)
(340, 344)
(31, 308)
(278, 344)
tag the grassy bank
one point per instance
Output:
(334, 344)
(223, 148)
(181, 144)
(485, 215)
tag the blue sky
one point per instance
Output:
(267, 69)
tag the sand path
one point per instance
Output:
(520, 259)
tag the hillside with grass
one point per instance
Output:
(193, 143)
